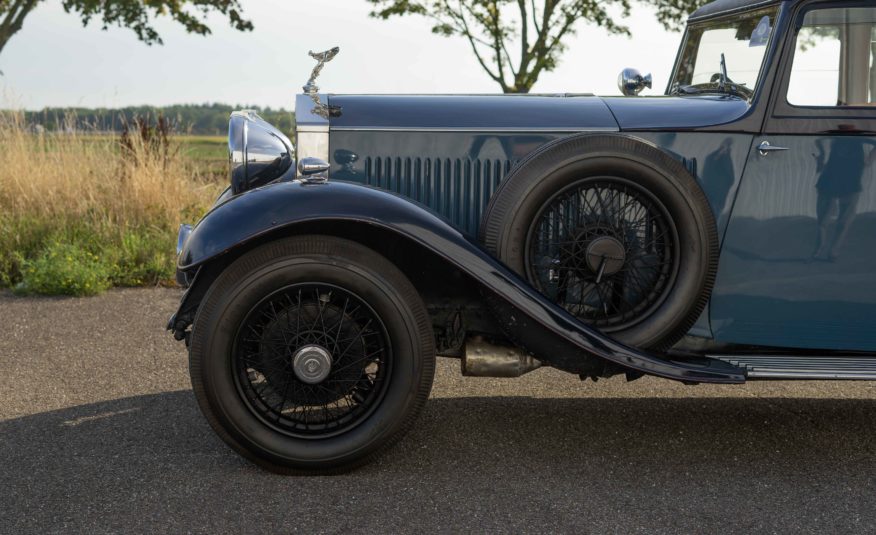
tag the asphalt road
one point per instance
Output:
(99, 432)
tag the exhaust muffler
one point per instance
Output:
(483, 359)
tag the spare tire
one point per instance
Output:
(614, 230)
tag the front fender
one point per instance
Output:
(552, 333)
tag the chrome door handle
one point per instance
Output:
(765, 148)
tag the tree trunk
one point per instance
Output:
(516, 89)
(12, 18)
(4, 38)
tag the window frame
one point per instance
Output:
(770, 47)
(789, 118)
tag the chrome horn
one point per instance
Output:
(313, 170)
(631, 82)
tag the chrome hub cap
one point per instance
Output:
(605, 255)
(312, 364)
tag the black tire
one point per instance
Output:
(243, 342)
(550, 221)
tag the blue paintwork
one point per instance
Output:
(715, 159)
(456, 173)
(484, 112)
(453, 173)
(775, 287)
(677, 113)
(534, 113)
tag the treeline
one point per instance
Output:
(198, 119)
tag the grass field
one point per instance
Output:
(203, 154)
(80, 213)
(206, 154)
(204, 148)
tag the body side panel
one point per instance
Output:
(455, 174)
(717, 161)
(799, 258)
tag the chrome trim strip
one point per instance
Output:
(812, 375)
(313, 128)
(470, 129)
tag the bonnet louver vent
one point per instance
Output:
(459, 189)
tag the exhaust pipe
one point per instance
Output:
(483, 359)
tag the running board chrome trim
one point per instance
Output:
(861, 368)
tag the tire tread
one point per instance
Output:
(335, 248)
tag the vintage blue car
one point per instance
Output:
(721, 232)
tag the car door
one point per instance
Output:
(798, 263)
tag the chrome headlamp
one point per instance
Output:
(258, 153)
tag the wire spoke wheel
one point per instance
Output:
(605, 249)
(311, 354)
(614, 230)
(312, 360)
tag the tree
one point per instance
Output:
(134, 14)
(534, 29)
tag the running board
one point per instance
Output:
(861, 368)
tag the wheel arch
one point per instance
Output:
(430, 274)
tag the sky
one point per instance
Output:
(55, 62)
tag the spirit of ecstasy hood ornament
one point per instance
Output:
(311, 89)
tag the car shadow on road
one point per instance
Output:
(147, 459)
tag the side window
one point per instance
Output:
(835, 59)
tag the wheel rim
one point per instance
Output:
(605, 249)
(312, 360)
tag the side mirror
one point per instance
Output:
(631, 82)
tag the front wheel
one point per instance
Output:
(311, 355)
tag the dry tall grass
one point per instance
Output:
(82, 190)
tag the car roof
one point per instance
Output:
(724, 7)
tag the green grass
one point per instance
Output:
(209, 153)
(64, 269)
(203, 148)
(79, 215)
(84, 257)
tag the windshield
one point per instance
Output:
(742, 40)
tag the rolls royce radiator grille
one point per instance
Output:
(459, 189)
